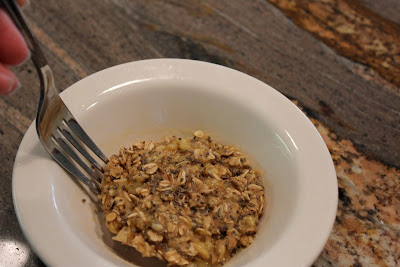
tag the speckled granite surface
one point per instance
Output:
(354, 105)
(367, 227)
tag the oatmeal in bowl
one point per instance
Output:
(186, 201)
(147, 100)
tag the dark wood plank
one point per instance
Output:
(251, 36)
(389, 9)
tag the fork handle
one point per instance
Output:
(16, 15)
(48, 92)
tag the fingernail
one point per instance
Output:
(10, 83)
(15, 85)
(7, 84)
(18, 85)
(27, 4)
(26, 59)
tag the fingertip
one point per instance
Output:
(27, 58)
(27, 4)
(8, 81)
(15, 87)
(23, 3)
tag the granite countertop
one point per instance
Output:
(338, 60)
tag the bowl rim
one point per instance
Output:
(185, 69)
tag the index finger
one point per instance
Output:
(13, 49)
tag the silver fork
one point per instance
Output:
(60, 133)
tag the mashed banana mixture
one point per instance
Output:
(187, 201)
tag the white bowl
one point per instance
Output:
(152, 98)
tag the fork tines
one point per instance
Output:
(68, 132)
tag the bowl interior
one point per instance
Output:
(152, 109)
(235, 109)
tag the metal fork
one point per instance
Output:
(60, 133)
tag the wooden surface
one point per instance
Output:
(337, 59)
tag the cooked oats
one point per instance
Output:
(187, 201)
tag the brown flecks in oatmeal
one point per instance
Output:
(186, 201)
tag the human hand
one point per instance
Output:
(13, 51)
